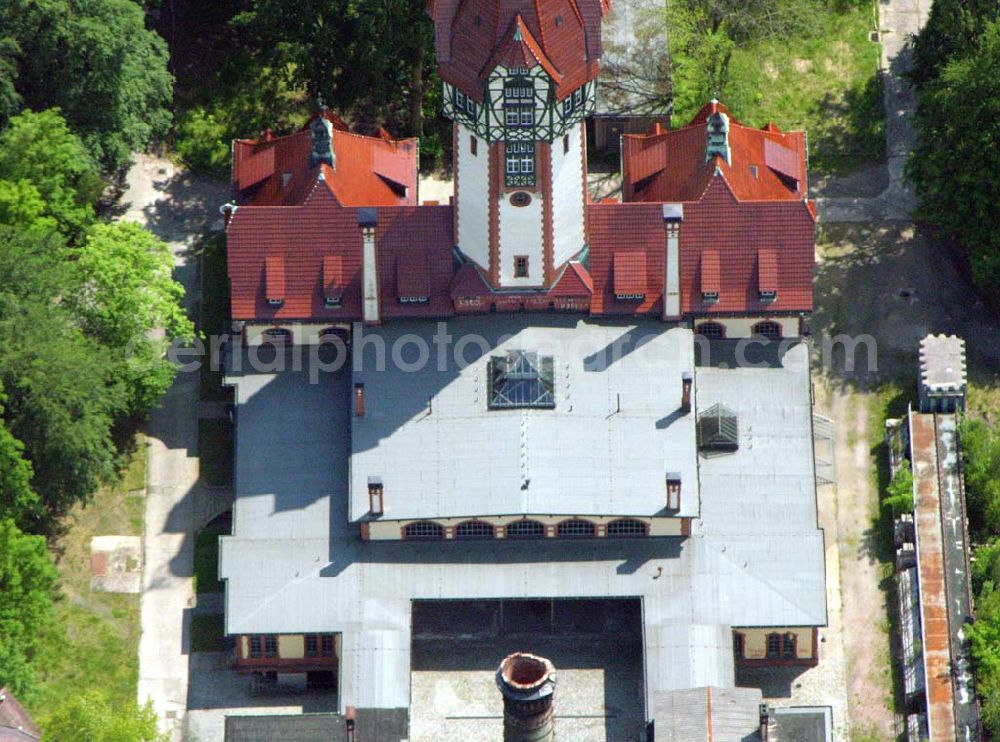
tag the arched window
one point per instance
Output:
(525, 529)
(767, 329)
(627, 528)
(332, 334)
(473, 529)
(711, 330)
(278, 336)
(575, 528)
(423, 530)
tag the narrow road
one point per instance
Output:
(899, 20)
(177, 208)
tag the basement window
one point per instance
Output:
(521, 379)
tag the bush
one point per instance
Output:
(899, 493)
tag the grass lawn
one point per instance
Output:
(206, 554)
(213, 315)
(215, 449)
(94, 639)
(206, 633)
(825, 82)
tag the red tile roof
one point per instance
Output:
(413, 277)
(767, 269)
(739, 232)
(640, 227)
(710, 276)
(319, 242)
(334, 279)
(369, 171)
(765, 164)
(575, 281)
(629, 272)
(274, 273)
(473, 36)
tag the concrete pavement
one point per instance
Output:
(177, 208)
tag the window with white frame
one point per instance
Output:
(520, 163)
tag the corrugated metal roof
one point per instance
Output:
(708, 714)
(295, 564)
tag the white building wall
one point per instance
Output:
(521, 234)
(472, 197)
(567, 196)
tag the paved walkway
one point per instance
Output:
(176, 208)
(899, 20)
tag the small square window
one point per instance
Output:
(470, 107)
(270, 646)
(527, 116)
(768, 295)
(568, 106)
(710, 297)
(577, 97)
(512, 117)
(312, 645)
(520, 266)
(255, 647)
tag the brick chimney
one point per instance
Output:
(367, 221)
(359, 400)
(673, 216)
(527, 683)
(673, 490)
(686, 379)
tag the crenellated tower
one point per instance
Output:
(518, 81)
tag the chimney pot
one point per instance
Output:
(673, 490)
(527, 683)
(686, 392)
(359, 400)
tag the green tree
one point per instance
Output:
(981, 469)
(21, 206)
(899, 493)
(97, 62)
(18, 501)
(62, 388)
(27, 582)
(984, 634)
(39, 148)
(958, 125)
(986, 568)
(953, 27)
(128, 294)
(92, 717)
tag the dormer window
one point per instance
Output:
(333, 302)
(767, 275)
(629, 269)
(768, 296)
(413, 299)
(274, 280)
(333, 281)
(710, 297)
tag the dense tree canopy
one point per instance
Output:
(953, 28)
(127, 293)
(38, 149)
(93, 718)
(27, 581)
(958, 126)
(97, 62)
(17, 499)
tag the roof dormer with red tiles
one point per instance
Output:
(747, 239)
(357, 170)
(518, 81)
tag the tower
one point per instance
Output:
(518, 82)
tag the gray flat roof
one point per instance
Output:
(295, 564)
(604, 449)
(942, 363)
(710, 714)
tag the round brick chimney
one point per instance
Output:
(527, 683)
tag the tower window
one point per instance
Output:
(520, 163)
(473, 146)
(520, 266)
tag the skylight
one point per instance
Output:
(521, 379)
(718, 429)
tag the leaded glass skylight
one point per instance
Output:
(521, 379)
